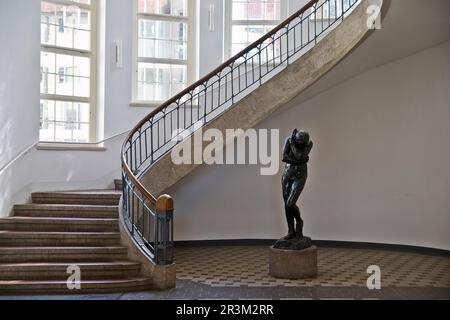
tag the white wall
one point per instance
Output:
(19, 100)
(19, 76)
(19, 105)
(379, 172)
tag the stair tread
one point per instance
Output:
(30, 282)
(111, 192)
(56, 233)
(62, 248)
(41, 233)
(57, 219)
(58, 264)
(81, 207)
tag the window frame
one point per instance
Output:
(92, 55)
(229, 23)
(191, 61)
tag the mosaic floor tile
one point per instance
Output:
(248, 266)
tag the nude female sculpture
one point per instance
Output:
(296, 156)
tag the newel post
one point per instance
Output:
(164, 230)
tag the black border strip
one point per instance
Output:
(319, 243)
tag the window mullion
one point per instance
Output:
(162, 61)
(161, 17)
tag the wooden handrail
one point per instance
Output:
(192, 87)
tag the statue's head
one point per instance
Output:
(301, 138)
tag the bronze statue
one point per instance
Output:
(296, 156)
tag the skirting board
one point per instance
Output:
(319, 243)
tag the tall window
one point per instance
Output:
(165, 48)
(249, 20)
(67, 71)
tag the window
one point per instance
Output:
(330, 9)
(249, 20)
(165, 48)
(67, 71)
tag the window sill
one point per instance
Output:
(45, 146)
(146, 104)
(143, 104)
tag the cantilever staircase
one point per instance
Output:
(57, 230)
(61, 229)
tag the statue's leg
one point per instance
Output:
(290, 217)
(291, 223)
(297, 187)
(298, 218)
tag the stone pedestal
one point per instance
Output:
(293, 264)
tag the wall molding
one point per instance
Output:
(319, 243)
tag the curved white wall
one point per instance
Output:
(379, 172)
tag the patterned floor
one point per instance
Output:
(248, 267)
(241, 273)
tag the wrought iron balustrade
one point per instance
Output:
(150, 219)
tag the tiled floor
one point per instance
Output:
(248, 266)
(242, 273)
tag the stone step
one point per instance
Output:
(61, 254)
(63, 239)
(65, 211)
(93, 197)
(59, 224)
(118, 184)
(59, 271)
(87, 286)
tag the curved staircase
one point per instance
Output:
(238, 94)
(58, 230)
(91, 230)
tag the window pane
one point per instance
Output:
(64, 121)
(256, 10)
(65, 26)
(64, 74)
(162, 39)
(159, 82)
(243, 36)
(81, 87)
(168, 7)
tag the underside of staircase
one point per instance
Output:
(58, 230)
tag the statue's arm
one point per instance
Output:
(296, 151)
(287, 154)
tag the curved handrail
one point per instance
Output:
(199, 82)
(279, 46)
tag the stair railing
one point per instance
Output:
(150, 219)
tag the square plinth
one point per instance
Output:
(293, 264)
